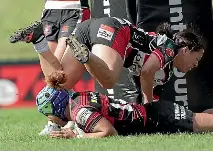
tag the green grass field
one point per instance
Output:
(19, 131)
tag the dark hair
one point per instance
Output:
(55, 79)
(186, 38)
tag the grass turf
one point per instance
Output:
(19, 130)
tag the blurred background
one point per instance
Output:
(15, 58)
(16, 14)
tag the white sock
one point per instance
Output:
(42, 45)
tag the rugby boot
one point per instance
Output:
(31, 33)
(79, 51)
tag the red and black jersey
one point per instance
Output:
(133, 44)
(88, 108)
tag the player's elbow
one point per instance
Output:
(109, 132)
(104, 129)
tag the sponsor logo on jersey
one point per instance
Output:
(105, 32)
(65, 29)
(94, 98)
(180, 112)
(83, 115)
(47, 30)
(138, 38)
(170, 52)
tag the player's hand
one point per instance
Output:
(64, 133)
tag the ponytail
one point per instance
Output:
(56, 79)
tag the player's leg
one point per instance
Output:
(34, 34)
(202, 122)
(68, 23)
(51, 27)
(105, 61)
(181, 119)
(49, 63)
(50, 20)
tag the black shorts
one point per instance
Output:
(168, 117)
(107, 31)
(59, 23)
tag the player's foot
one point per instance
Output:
(31, 33)
(49, 128)
(80, 51)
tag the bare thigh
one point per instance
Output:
(73, 69)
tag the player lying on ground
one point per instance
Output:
(100, 116)
(112, 43)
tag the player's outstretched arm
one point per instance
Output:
(102, 129)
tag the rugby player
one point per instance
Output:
(100, 116)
